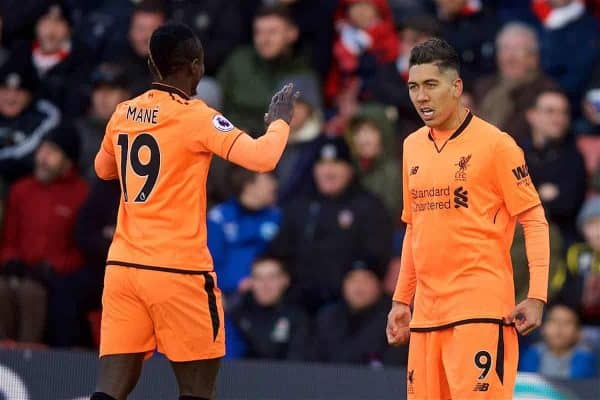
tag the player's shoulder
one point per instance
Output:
(491, 134)
(416, 137)
(206, 115)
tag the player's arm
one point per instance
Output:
(537, 247)
(407, 278)
(522, 201)
(397, 330)
(105, 163)
(260, 155)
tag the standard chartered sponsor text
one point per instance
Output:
(430, 199)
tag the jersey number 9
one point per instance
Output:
(149, 170)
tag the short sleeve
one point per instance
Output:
(512, 177)
(406, 205)
(107, 141)
(212, 132)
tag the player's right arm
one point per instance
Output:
(105, 163)
(407, 279)
(397, 330)
(260, 155)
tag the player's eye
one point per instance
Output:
(430, 85)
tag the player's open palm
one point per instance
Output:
(397, 330)
(527, 316)
(282, 105)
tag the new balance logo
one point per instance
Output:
(414, 170)
(481, 387)
(520, 172)
(461, 198)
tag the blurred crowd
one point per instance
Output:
(307, 256)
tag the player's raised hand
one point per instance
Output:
(527, 316)
(282, 105)
(397, 330)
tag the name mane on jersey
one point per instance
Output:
(144, 115)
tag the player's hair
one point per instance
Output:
(277, 10)
(172, 46)
(435, 51)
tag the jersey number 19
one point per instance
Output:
(149, 169)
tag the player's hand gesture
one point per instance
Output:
(282, 105)
(397, 330)
(527, 316)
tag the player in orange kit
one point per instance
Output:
(160, 290)
(465, 186)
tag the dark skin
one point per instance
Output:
(119, 373)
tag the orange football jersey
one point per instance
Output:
(462, 199)
(159, 145)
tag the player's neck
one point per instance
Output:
(178, 83)
(452, 123)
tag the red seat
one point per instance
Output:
(589, 146)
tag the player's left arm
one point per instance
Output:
(522, 201)
(105, 163)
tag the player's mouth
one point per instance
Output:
(427, 113)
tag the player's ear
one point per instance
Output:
(458, 87)
(197, 67)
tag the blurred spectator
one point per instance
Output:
(389, 83)
(40, 263)
(582, 286)
(352, 330)
(555, 164)
(294, 170)
(94, 230)
(366, 39)
(133, 55)
(471, 28)
(61, 62)
(561, 354)
(566, 25)
(240, 229)
(589, 123)
(217, 23)
(250, 75)
(271, 327)
(109, 88)
(18, 19)
(373, 145)
(503, 98)
(321, 234)
(24, 119)
(406, 9)
(316, 27)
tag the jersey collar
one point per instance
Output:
(170, 89)
(458, 130)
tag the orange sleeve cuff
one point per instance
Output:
(262, 154)
(105, 165)
(407, 278)
(537, 247)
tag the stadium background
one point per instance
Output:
(531, 67)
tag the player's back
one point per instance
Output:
(162, 165)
